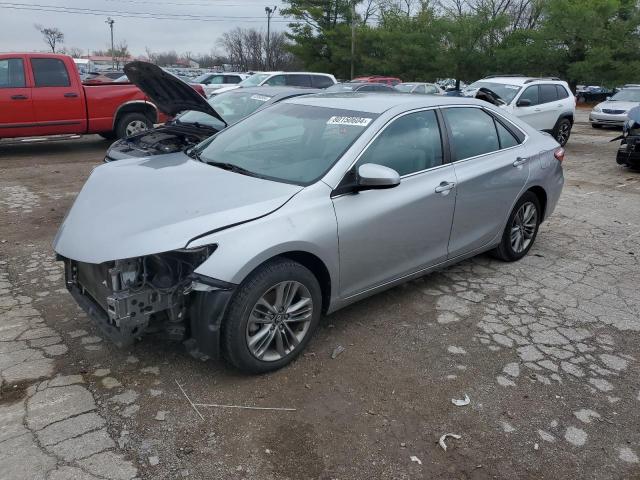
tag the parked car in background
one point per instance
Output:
(360, 87)
(284, 79)
(194, 124)
(245, 241)
(391, 81)
(592, 93)
(544, 103)
(419, 87)
(215, 80)
(614, 110)
(41, 94)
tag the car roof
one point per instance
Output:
(272, 91)
(520, 80)
(379, 102)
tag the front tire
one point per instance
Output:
(562, 131)
(521, 229)
(132, 124)
(271, 317)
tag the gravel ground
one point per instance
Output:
(546, 349)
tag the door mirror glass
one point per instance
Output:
(524, 102)
(372, 176)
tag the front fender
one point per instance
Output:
(307, 223)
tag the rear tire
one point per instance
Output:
(562, 131)
(523, 224)
(271, 317)
(132, 124)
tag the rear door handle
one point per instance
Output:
(19, 97)
(70, 95)
(444, 187)
(519, 161)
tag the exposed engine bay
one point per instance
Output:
(138, 295)
(168, 139)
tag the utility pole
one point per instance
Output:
(269, 11)
(353, 36)
(110, 21)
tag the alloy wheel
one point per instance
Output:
(563, 133)
(134, 127)
(279, 321)
(523, 227)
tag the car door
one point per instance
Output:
(16, 106)
(491, 171)
(58, 101)
(275, 81)
(387, 234)
(532, 113)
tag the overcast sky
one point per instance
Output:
(86, 31)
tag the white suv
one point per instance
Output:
(544, 103)
(280, 79)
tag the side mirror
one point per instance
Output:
(372, 176)
(525, 102)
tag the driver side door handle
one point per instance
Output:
(444, 187)
(519, 161)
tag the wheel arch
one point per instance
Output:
(136, 106)
(541, 194)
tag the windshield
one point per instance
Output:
(201, 78)
(505, 92)
(627, 95)
(405, 87)
(232, 106)
(288, 142)
(254, 80)
(341, 87)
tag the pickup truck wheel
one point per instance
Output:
(562, 131)
(132, 124)
(271, 317)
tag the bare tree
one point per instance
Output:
(74, 52)
(52, 36)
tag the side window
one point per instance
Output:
(562, 92)
(298, 80)
(473, 132)
(368, 88)
(277, 80)
(531, 94)
(420, 89)
(431, 90)
(50, 72)
(215, 80)
(409, 144)
(507, 139)
(231, 79)
(548, 93)
(321, 81)
(12, 73)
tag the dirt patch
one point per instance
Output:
(13, 393)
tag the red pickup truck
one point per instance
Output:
(41, 94)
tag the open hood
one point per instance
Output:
(138, 207)
(170, 94)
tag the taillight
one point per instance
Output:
(559, 154)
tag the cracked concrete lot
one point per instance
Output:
(546, 349)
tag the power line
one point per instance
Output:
(179, 4)
(139, 15)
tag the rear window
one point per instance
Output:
(49, 72)
(232, 79)
(12, 73)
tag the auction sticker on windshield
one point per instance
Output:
(260, 98)
(352, 121)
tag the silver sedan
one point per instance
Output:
(241, 244)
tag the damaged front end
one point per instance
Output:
(153, 293)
